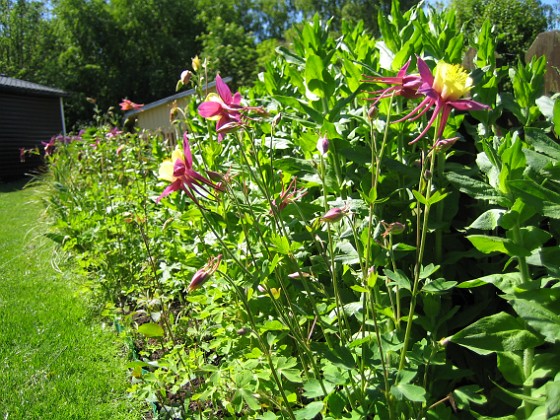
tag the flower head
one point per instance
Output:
(443, 92)
(222, 107)
(127, 105)
(180, 173)
(203, 274)
(225, 108)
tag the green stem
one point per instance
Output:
(421, 245)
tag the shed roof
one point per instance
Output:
(169, 99)
(9, 84)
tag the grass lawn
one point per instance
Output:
(56, 360)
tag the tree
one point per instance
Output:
(516, 22)
(21, 29)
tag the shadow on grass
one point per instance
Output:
(14, 185)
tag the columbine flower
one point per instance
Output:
(288, 195)
(222, 107)
(202, 275)
(179, 171)
(444, 91)
(406, 85)
(127, 105)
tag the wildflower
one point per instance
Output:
(288, 195)
(323, 145)
(179, 172)
(222, 107)
(406, 85)
(444, 91)
(127, 105)
(202, 275)
(334, 215)
(22, 153)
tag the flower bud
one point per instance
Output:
(323, 145)
(372, 112)
(334, 214)
(202, 275)
(196, 63)
(186, 76)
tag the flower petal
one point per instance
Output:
(187, 151)
(425, 72)
(210, 109)
(223, 90)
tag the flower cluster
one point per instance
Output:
(443, 90)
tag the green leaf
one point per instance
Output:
(469, 394)
(438, 286)
(428, 270)
(309, 411)
(499, 332)
(543, 319)
(540, 141)
(556, 117)
(421, 199)
(552, 403)
(489, 220)
(151, 329)
(488, 244)
(399, 278)
(410, 392)
(510, 365)
(313, 389)
(505, 282)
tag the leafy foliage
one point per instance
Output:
(340, 271)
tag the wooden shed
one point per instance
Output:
(155, 116)
(29, 114)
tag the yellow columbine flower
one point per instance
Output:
(451, 81)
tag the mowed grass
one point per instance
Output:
(56, 360)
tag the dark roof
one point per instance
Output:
(169, 99)
(9, 84)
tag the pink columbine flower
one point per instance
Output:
(127, 105)
(222, 107)
(225, 109)
(180, 173)
(202, 275)
(444, 91)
